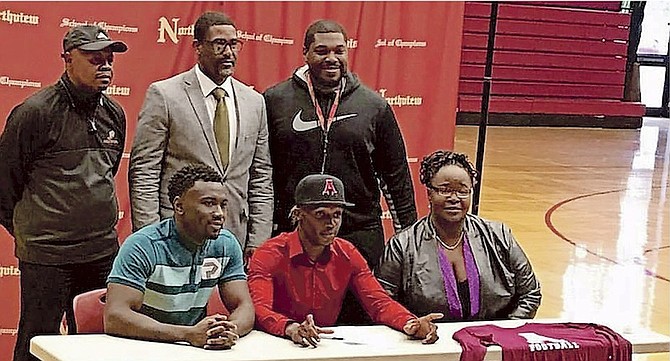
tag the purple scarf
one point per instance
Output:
(449, 278)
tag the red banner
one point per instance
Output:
(407, 51)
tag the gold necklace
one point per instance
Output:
(445, 245)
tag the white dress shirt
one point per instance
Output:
(207, 86)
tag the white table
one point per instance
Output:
(368, 343)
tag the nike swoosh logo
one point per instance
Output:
(300, 125)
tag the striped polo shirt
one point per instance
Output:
(176, 282)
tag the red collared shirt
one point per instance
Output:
(287, 286)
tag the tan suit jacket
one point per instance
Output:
(174, 130)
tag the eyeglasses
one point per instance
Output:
(446, 192)
(219, 45)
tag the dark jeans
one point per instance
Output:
(47, 292)
(371, 245)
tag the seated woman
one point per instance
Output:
(454, 262)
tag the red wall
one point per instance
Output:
(419, 59)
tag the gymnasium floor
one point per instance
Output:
(590, 209)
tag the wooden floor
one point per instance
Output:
(590, 208)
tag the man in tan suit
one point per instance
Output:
(204, 115)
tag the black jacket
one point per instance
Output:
(364, 148)
(60, 152)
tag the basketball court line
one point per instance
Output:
(550, 225)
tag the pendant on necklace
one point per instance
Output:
(445, 245)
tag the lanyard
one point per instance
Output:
(324, 123)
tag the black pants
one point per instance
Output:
(371, 245)
(47, 293)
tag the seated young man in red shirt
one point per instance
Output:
(299, 279)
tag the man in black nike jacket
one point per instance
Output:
(323, 120)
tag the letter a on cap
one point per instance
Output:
(329, 188)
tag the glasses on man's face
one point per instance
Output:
(446, 192)
(219, 45)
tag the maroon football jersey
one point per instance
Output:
(545, 342)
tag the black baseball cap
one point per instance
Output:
(320, 189)
(92, 38)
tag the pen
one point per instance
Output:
(332, 337)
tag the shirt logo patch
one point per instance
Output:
(111, 138)
(538, 342)
(300, 125)
(211, 268)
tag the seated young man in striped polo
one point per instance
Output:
(165, 273)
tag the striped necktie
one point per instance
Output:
(222, 125)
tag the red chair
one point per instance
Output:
(89, 311)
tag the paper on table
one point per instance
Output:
(353, 335)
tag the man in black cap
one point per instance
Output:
(60, 150)
(298, 279)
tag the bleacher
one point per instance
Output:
(553, 66)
